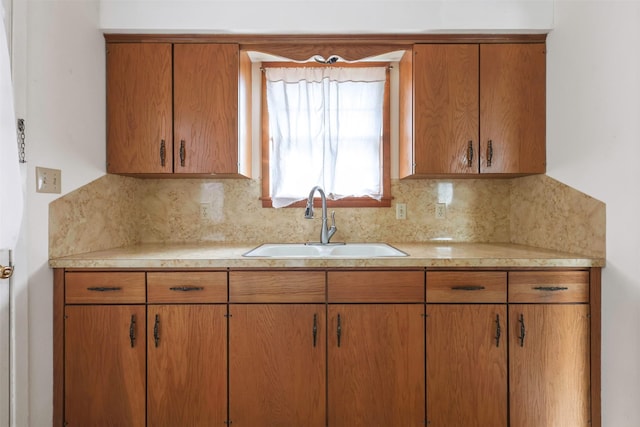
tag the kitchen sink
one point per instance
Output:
(332, 250)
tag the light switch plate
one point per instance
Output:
(48, 180)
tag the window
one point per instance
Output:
(327, 126)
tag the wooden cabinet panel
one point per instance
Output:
(206, 108)
(104, 365)
(467, 286)
(466, 365)
(187, 365)
(187, 286)
(549, 368)
(178, 109)
(139, 108)
(105, 287)
(277, 365)
(277, 286)
(476, 108)
(376, 365)
(548, 286)
(375, 286)
(446, 108)
(513, 108)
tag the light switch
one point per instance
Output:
(48, 180)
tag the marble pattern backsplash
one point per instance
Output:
(116, 211)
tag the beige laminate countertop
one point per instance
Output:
(214, 255)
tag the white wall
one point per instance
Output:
(65, 129)
(593, 136)
(593, 144)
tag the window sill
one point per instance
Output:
(347, 202)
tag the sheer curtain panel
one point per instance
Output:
(325, 128)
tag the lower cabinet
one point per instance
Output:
(466, 353)
(327, 347)
(104, 365)
(105, 355)
(296, 361)
(186, 349)
(549, 343)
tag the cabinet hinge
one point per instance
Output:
(228, 315)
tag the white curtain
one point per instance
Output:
(325, 129)
(11, 198)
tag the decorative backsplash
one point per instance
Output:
(116, 211)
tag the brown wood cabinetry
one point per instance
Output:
(375, 366)
(549, 353)
(469, 109)
(337, 347)
(178, 109)
(466, 348)
(186, 348)
(277, 348)
(104, 357)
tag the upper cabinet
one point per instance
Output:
(470, 109)
(175, 109)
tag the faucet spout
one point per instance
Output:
(326, 232)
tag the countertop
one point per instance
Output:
(214, 255)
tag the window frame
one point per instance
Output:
(347, 202)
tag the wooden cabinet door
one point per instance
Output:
(187, 365)
(466, 365)
(446, 109)
(549, 368)
(206, 108)
(277, 365)
(513, 108)
(104, 365)
(139, 116)
(375, 365)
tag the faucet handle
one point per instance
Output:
(333, 219)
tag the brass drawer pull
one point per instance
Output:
(522, 330)
(470, 154)
(551, 288)
(467, 288)
(186, 288)
(105, 288)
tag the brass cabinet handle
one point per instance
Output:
(132, 330)
(183, 153)
(489, 153)
(339, 330)
(470, 154)
(551, 288)
(156, 331)
(163, 153)
(104, 289)
(186, 288)
(498, 330)
(467, 288)
(315, 329)
(522, 330)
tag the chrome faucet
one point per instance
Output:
(325, 232)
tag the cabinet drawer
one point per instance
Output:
(104, 287)
(187, 287)
(375, 286)
(276, 286)
(548, 286)
(467, 286)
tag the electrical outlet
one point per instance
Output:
(48, 180)
(441, 210)
(401, 211)
(205, 210)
